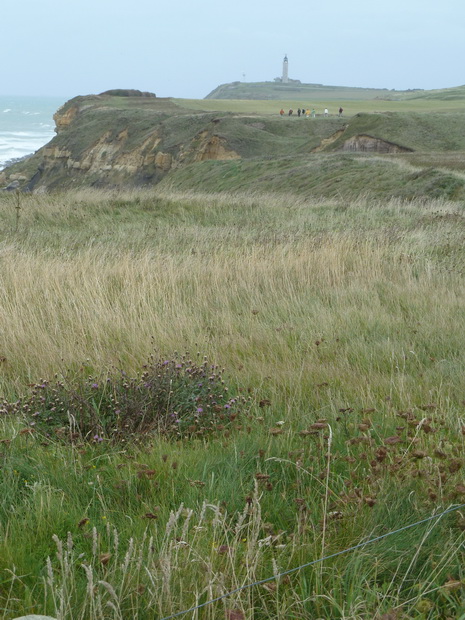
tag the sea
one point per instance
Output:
(26, 124)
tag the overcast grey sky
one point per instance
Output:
(184, 48)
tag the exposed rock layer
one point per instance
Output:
(103, 143)
(368, 144)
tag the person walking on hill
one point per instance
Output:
(291, 111)
(326, 112)
(281, 111)
(340, 112)
(298, 112)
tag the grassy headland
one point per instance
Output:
(120, 142)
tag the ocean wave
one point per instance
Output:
(36, 135)
(11, 152)
(7, 110)
(16, 146)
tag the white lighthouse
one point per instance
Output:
(285, 78)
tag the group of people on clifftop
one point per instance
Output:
(305, 112)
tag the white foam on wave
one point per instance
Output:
(10, 153)
(12, 135)
(14, 145)
(7, 110)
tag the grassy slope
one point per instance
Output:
(320, 93)
(317, 92)
(345, 311)
(350, 106)
(320, 175)
(433, 134)
(276, 150)
(419, 132)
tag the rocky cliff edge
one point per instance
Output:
(110, 140)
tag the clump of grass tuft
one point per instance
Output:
(175, 397)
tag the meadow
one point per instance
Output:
(339, 325)
(427, 102)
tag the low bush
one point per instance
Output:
(176, 397)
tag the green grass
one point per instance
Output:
(350, 107)
(343, 313)
(320, 92)
(269, 98)
(324, 176)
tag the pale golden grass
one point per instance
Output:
(262, 297)
(222, 552)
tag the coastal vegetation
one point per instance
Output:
(253, 366)
(111, 141)
(338, 321)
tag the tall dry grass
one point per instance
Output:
(377, 300)
(329, 313)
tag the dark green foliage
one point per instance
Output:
(127, 92)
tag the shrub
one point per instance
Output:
(175, 397)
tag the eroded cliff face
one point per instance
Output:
(213, 147)
(106, 144)
(360, 143)
(63, 119)
(108, 154)
(114, 141)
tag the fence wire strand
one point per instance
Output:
(313, 562)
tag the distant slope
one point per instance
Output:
(295, 90)
(320, 92)
(443, 94)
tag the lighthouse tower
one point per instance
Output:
(285, 78)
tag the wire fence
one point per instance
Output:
(313, 562)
